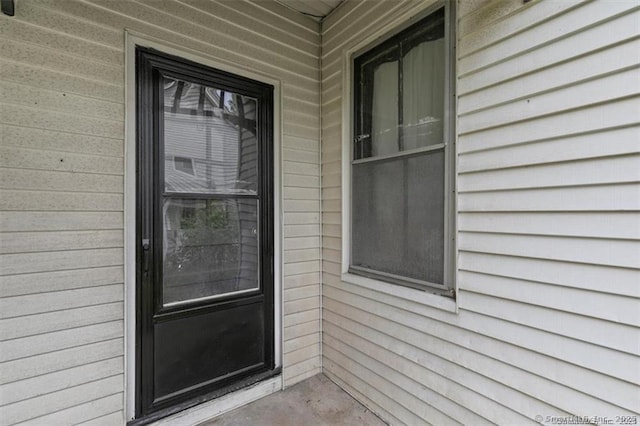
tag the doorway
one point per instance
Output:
(204, 230)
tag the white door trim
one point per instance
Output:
(133, 39)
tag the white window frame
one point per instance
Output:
(424, 296)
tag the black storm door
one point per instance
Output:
(205, 232)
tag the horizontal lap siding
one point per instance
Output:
(548, 226)
(61, 189)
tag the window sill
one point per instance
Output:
(419, 296)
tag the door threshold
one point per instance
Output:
(225, 403)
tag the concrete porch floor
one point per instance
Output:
(314, 401)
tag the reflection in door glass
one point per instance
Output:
(210, 140)
(210, 248)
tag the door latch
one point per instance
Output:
(145, 254)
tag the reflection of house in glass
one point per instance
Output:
(210, 241)
(214, 131)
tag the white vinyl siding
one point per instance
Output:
(62, 80)
(548, 172)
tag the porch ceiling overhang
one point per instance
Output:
(317, 9)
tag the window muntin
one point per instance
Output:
(399, 202)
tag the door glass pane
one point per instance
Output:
(210, 140)
(210, 248)
(398, 220)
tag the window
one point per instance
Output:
(402, 167)
(184, 165)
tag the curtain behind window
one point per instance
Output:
(423, 94)
(384, 125)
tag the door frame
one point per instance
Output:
(132, 40)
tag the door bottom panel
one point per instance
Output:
(184, 352)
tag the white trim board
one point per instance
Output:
(133, 39)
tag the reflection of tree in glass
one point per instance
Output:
(213, 216)
(207, 246)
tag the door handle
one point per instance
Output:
(145, 254)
